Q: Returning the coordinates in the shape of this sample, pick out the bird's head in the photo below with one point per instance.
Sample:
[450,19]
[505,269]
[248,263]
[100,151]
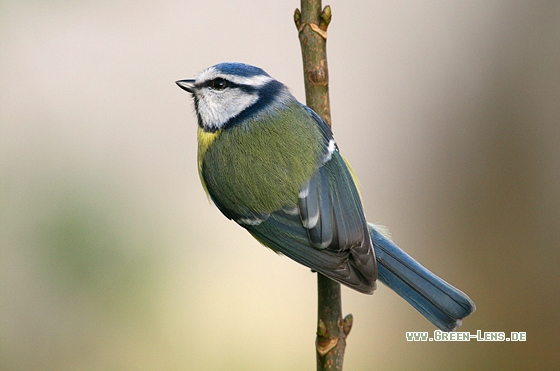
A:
[229,93]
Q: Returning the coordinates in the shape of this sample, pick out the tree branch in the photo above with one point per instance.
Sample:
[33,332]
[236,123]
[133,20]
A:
[312,24]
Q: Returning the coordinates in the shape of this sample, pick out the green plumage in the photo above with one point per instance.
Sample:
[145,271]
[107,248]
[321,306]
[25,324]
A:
[259,166]
[276,175]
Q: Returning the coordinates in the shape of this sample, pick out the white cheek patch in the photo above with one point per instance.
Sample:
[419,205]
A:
[217,107]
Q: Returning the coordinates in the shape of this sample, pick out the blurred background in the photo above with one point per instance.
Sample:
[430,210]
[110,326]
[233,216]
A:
[112,258]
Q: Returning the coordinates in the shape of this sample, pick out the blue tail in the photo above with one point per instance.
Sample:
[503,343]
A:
[438,301]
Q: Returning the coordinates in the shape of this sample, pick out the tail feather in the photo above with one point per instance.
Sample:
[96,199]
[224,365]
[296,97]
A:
[438,301]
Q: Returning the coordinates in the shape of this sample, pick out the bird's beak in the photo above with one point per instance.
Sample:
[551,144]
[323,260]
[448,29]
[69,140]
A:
[187,85]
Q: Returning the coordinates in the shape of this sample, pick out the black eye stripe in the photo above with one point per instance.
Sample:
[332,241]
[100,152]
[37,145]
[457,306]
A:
[218,83]
[212,84]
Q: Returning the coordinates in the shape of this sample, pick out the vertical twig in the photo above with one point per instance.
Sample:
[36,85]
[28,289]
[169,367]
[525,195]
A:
[312,24]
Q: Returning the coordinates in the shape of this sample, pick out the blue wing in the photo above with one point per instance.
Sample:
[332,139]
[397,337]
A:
[325,229]
[328,231]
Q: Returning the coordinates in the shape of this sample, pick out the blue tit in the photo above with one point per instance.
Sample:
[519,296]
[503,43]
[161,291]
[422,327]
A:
[271,164]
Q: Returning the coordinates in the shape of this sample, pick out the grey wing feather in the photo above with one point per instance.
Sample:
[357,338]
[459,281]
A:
[285,234]
[330,235]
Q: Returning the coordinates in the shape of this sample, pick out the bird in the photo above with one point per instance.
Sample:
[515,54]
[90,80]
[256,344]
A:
[272,165]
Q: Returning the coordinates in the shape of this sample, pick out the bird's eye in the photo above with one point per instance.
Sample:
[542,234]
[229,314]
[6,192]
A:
[219,84]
